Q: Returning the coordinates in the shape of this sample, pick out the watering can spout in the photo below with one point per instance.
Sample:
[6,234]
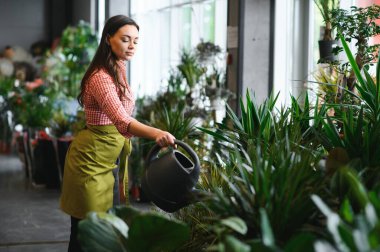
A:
[169,180]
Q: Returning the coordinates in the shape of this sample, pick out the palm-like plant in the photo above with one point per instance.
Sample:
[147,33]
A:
[268,165]
[360,133]
[325,7]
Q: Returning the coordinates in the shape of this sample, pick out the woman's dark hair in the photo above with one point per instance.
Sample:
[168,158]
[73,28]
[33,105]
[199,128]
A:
[104,57]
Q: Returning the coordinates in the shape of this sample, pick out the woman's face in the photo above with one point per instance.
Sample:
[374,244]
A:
[124,42]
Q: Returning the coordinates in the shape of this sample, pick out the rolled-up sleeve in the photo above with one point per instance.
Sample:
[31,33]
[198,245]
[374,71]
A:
[102,88]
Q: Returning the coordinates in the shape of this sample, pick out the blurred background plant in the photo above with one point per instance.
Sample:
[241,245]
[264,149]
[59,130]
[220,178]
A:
[6,124]
[358,25]
[66,64]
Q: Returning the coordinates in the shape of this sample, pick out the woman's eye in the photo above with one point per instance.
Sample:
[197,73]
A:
[135,42]
[125,41]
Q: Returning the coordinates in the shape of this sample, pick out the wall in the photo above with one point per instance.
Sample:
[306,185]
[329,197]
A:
[117,7]
[84,10]
[255,48]
[22,22]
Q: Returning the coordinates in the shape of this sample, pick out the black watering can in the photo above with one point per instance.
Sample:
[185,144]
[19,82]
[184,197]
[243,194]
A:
[169,180]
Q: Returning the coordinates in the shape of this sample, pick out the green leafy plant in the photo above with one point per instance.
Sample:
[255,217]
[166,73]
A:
[34,108]
[360,132]
[65,67]
[327,79]
[206,51]
[127,229]
[61,124]
[358,24]
[326,7]
[268,164]
[6,89]
[351,230]
[190,69]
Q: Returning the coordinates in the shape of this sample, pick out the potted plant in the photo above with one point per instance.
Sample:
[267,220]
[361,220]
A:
[65,66]
[358,24]
[327,43]
[6,88]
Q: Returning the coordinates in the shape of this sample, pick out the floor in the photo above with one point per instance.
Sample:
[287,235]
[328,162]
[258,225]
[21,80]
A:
[30,219]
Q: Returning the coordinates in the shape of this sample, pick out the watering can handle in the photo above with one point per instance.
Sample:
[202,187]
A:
[156,148]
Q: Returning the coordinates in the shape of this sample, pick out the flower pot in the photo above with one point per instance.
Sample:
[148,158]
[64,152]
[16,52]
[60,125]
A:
[325,50]
[46,168]
[62,147]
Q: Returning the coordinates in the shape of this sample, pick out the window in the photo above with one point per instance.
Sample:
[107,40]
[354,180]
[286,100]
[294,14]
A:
[101,17]
[296,55]
[166,28]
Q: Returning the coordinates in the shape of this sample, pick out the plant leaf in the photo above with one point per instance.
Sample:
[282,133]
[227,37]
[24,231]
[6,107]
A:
[236,224]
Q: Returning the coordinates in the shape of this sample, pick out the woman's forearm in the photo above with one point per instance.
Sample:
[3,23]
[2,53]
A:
[162,138]
[141,130]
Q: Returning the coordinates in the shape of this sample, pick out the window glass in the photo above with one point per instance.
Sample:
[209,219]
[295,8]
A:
[186,27]
[209,22]
[166,28]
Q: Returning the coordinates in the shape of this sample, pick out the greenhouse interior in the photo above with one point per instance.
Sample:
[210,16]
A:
[189,125]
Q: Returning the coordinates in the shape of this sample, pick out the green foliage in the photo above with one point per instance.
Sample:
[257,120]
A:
[358,24]
[6,88]
[144,231]
[352,230]
[102,232]
[206,51]
[263,171]
[226,231]
[326,7]
[60,124]
[190,68]
[32,108]
[359,134]
[269,163]
[66,65]
[327,79]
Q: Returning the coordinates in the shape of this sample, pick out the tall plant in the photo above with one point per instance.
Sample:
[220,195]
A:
[326,7]
[268,166]
[358,24]
[361,124]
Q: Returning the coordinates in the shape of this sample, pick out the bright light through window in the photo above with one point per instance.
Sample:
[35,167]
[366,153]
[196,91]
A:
[101,16]
[166,28]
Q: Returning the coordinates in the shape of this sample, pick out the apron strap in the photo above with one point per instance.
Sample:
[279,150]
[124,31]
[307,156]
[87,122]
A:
[123,171]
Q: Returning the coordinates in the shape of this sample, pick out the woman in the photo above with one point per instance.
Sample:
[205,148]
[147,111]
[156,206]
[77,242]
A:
[108,104]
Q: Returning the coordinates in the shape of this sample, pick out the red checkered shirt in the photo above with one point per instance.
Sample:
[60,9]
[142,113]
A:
[102,102]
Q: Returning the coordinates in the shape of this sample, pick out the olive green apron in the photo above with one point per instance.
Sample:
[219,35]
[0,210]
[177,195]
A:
[88,181]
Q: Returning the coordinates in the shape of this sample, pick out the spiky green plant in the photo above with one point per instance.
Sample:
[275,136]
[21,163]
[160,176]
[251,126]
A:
[268,164]
[351,230]
[359,134]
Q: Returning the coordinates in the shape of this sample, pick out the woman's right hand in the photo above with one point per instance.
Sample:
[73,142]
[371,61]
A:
[165,139]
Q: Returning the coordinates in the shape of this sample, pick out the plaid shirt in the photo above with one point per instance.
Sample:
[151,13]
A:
[102,102]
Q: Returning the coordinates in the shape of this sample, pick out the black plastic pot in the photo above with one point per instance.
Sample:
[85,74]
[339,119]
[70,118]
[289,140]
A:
[46,168]
[325,50]
[62,147]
